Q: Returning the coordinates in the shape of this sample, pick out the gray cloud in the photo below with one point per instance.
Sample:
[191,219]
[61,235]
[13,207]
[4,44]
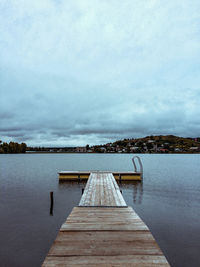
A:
[6,115]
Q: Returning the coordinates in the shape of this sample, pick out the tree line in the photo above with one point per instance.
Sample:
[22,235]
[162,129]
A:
[12,147]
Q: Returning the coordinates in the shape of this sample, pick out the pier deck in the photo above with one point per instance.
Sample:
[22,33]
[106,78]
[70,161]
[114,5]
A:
[84,175]
[103,231]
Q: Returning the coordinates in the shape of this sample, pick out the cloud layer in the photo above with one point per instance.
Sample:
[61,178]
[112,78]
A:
[78,72]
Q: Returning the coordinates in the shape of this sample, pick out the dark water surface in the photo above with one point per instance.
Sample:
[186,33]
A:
[168,201]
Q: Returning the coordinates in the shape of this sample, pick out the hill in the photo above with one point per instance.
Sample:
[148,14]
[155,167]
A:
[151,144]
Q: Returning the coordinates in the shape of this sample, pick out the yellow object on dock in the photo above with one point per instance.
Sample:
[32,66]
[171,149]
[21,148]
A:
[84,175]
[104,231]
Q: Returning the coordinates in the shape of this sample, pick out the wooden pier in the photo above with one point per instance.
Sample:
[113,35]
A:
[104,231]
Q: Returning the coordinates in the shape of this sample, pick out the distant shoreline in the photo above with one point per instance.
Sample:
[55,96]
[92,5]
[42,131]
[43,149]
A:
[160,144]
[47,152]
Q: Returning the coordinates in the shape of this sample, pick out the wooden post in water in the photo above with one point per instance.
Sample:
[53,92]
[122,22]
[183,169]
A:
[51,205]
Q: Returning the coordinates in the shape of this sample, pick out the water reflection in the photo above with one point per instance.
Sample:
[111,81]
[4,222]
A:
[76,187]
[137,190]
[64,184]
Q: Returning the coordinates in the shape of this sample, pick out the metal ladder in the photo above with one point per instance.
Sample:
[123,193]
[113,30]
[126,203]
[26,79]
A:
[135,166]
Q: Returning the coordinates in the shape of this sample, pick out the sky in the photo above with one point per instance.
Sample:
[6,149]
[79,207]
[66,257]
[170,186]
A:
[77,72]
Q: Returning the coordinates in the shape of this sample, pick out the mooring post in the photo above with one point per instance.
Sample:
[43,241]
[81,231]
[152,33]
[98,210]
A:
[120,178]
[51,205]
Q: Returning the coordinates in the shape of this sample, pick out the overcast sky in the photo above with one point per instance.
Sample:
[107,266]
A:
[93,71]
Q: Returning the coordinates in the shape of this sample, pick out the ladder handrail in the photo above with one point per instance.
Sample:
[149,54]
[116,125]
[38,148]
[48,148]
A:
[140,163]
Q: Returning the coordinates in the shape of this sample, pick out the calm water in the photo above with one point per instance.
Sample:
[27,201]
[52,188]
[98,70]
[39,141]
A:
[168,201]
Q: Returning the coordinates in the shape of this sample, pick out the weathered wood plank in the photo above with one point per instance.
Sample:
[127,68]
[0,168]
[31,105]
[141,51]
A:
[106,209]
[104,243]
[100,227]
[123,213]
[107,261]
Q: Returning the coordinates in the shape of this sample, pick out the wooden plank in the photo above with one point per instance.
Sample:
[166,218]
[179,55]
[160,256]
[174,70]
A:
[117,190]
[104,243]
[107,261]
[105,209]
[86,194]
[103,227]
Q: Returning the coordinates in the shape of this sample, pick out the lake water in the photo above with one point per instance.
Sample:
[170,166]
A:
[168,201]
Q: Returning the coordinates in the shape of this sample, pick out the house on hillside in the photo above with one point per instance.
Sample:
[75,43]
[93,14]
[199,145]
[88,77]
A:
[81,149]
